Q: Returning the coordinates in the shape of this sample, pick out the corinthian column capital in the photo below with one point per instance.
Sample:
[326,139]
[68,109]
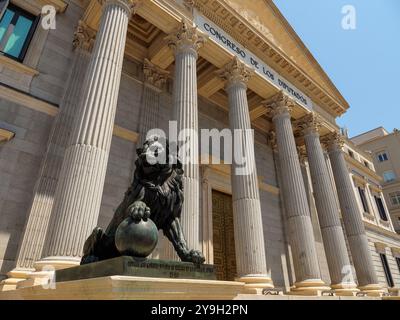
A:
[186,38]
[271,136]
[333,141]
[279,105]
[84,37]
[154,75]
[309,124]
[235,72]
[302,152]
[130,5]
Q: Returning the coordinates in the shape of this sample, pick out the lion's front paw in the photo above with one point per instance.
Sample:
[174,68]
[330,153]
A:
[196,257]
[139,211]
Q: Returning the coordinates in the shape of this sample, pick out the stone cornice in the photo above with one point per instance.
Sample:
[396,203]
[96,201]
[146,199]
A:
[187,38]
[130,5]
[250,37]
[235,72]
[84,37]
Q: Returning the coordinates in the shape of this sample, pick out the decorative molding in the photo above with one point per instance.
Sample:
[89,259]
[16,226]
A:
[27,101]
[187,38]
[154,75]
[52,110]
[125,134]
[395,252]
[84,37]
[6,135]
[235,72]
[35,6]
[380,247]
[17,66]
[378,229]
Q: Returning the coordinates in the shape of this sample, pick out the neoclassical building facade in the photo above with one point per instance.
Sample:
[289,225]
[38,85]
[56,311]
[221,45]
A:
[77,100]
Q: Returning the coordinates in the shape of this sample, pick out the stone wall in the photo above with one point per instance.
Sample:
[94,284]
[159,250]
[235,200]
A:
[20,161]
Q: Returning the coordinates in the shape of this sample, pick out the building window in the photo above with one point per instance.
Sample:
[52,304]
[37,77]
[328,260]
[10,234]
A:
[16,31]
[398,262]
[395,198]
[366,164]
[381,208]
[351,153]
[363,198]
[389,176]
[386,268]
[382,156]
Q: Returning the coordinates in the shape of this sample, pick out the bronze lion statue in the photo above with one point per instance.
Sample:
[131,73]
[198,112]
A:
[156,192]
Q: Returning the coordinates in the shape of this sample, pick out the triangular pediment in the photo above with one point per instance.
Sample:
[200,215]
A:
[266,18]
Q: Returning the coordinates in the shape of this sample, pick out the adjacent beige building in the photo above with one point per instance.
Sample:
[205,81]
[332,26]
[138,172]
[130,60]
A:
[77,100]
[384,148]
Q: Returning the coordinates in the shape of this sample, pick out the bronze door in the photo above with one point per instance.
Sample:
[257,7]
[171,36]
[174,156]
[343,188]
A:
[223,236]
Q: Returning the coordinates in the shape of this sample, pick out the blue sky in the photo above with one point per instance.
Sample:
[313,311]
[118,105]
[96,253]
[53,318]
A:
[364,63]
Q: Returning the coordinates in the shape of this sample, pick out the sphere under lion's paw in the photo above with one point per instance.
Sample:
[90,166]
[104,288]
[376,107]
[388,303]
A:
[136,238]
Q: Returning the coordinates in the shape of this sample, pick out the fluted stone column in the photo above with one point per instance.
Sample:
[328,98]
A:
[31,246]
[153,84]
[154,81]
[328,211]
[185,43]
[78,196]
[249,237]
[352,218]
[300,230]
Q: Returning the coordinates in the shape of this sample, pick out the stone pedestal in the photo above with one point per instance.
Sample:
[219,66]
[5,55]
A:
[249,233]
[130,288]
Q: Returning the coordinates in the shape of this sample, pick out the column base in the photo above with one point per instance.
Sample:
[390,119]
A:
[44,271]
[345,289]
[312,287]
[372,290]
[394,292]
[255,284]
[14,277]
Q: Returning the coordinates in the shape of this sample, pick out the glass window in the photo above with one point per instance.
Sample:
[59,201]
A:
[389,176]
[382,156]
[381,208]
[363,198]
[386,268]
[395,198]
[398,262]
[16,30]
